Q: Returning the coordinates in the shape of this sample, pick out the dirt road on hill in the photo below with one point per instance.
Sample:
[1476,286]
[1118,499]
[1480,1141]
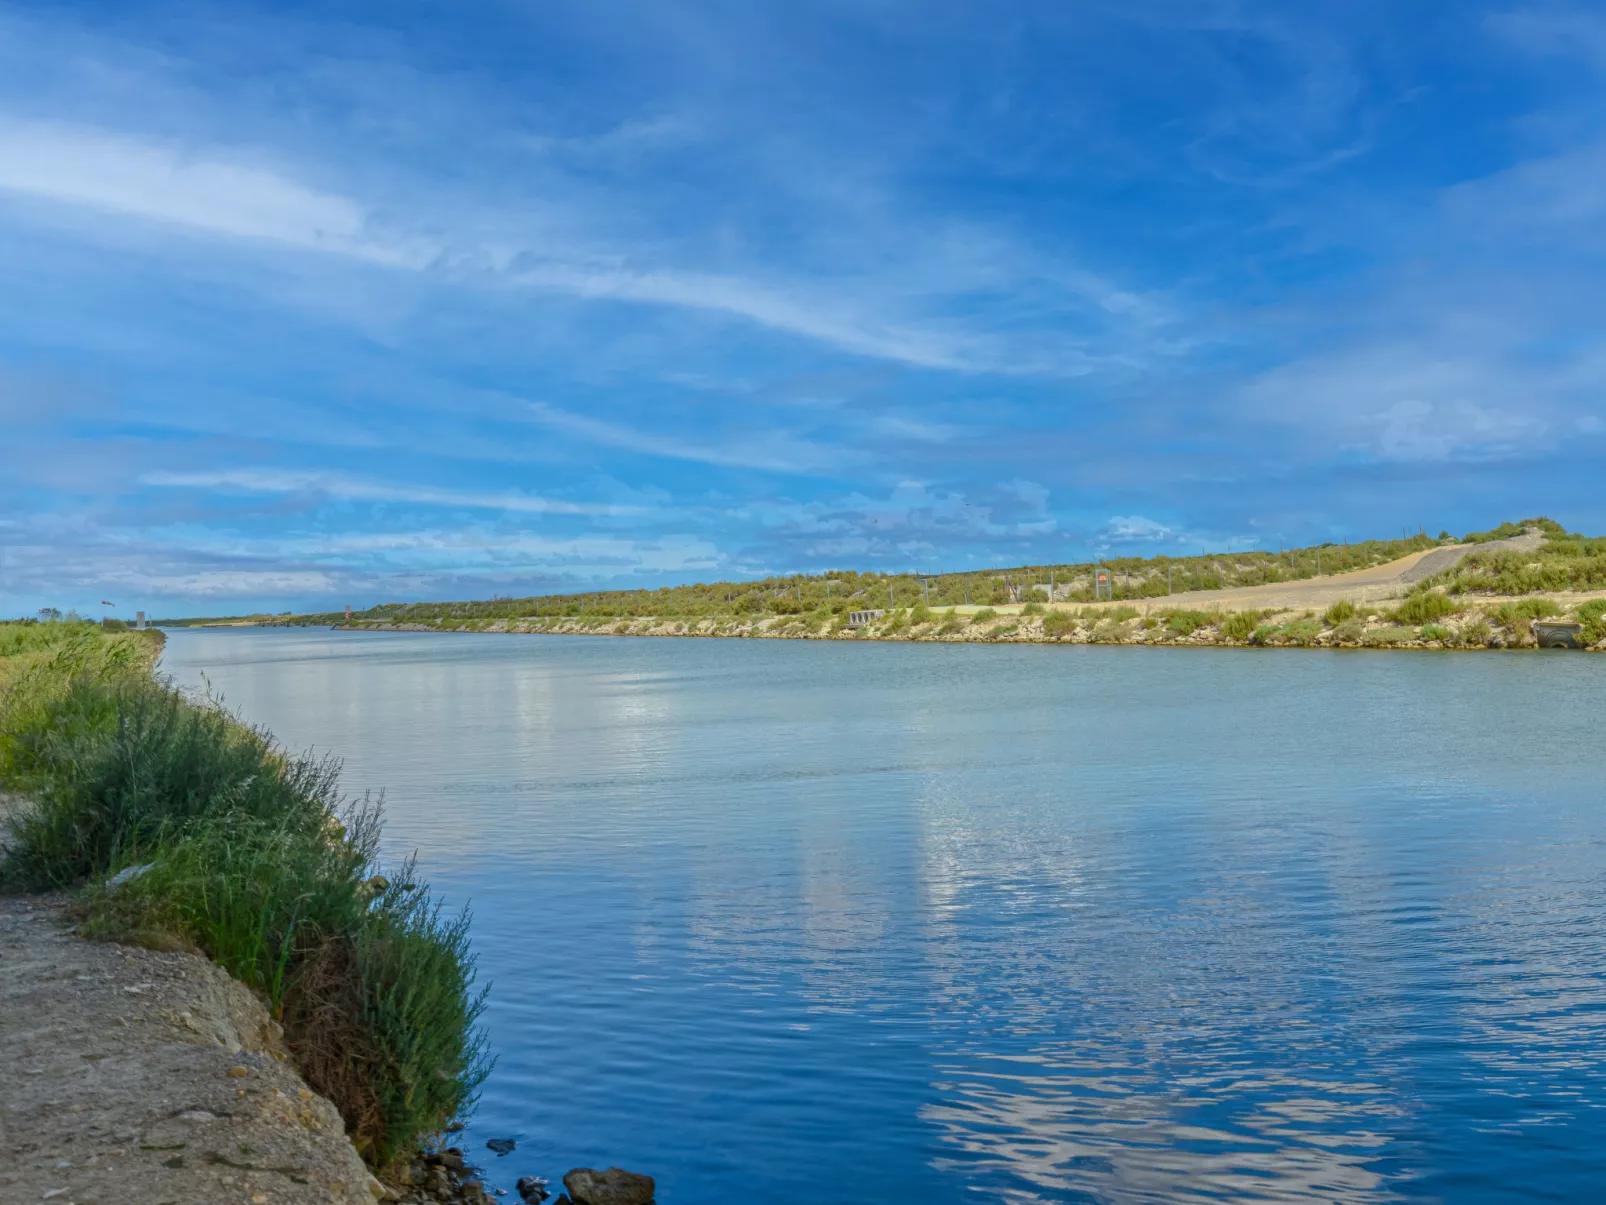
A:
[1317,593]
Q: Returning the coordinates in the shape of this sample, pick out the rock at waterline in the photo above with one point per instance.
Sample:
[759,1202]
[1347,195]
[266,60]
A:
[532,1189]
[612,1187]
[501,1146]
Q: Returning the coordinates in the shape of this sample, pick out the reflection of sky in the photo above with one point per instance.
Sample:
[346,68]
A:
[1040,924]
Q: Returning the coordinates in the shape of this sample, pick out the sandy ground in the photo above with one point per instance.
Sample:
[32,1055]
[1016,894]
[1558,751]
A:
[150,1078]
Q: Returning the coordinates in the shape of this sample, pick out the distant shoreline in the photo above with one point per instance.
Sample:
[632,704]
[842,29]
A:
[1160,627]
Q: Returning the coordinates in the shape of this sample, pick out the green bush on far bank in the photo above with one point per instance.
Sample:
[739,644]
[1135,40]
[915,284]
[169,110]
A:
[254,857]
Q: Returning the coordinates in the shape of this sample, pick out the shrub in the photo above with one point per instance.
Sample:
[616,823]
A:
[1383,637]
[1593,616]
[985,615]
[1185,623]
[1424,606]
[1240,625]
[1058,623]
[1432,631]
[1513,614]
[1350,631]
[949,627]
[1339,612]
[1032,608]
[920,614]
[1301,631]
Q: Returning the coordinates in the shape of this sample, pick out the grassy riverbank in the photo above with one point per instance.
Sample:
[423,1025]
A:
[219,840]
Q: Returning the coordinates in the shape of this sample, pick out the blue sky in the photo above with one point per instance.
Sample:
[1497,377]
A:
[308,304]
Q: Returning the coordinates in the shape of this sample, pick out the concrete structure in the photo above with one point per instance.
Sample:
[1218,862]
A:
[1553,635]
[858,619]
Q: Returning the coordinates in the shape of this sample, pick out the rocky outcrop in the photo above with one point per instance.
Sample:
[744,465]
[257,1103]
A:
[143,1077]
[615,1186]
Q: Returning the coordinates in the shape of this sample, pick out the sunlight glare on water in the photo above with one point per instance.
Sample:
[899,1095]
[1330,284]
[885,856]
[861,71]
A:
[790,921]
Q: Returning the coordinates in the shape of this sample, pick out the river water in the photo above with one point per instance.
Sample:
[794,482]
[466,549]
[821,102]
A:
[783,921]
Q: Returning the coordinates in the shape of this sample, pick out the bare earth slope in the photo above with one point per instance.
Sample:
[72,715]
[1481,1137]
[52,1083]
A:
[1361,586]
[148,1078]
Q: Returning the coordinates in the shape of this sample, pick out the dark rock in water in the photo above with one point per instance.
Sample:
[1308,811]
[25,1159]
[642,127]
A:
[532,1189]
[455,1128]
[612,1187]
[501,1146]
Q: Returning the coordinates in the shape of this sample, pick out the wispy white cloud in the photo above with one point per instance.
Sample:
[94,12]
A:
[1136,529]
[242,194]
[776,451]
[203,192]
[353,489]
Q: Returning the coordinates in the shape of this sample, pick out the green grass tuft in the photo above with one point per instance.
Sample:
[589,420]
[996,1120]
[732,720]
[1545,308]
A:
[1240,625]
[1059,623]
[1593,616]
[1185,623]
[1339,612]
[256,859]
[1424,606]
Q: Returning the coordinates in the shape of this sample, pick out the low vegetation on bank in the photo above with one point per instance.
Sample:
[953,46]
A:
[1490,599]
[840,591]
[1426,618]
[178,826]
[1564,562]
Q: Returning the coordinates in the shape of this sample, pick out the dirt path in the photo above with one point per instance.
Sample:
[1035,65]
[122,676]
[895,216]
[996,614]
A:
[1360,586]
[150,1079]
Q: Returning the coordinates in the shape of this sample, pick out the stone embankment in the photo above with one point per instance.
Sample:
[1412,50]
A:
[1145,623]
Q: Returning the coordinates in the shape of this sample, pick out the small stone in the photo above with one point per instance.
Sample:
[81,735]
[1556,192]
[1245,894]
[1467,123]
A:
[452,1159]
[259,1198]
[472,1190]
[52,1193]
[378,1191]
[238,1072]
[532,1189]
[198,1115]
[615,1186]
[456,1127]
[502,1146]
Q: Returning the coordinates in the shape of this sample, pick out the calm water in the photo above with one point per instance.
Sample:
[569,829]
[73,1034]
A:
[797,922]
